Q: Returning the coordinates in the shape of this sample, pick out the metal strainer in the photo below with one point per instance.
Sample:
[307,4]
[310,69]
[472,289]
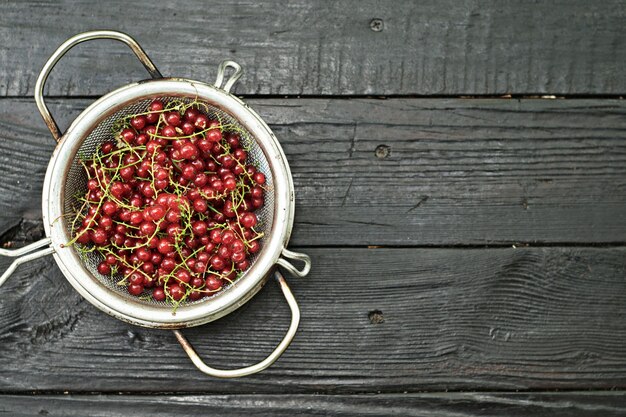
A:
[65,179]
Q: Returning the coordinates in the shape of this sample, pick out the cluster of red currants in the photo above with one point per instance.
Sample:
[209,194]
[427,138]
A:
[170,204]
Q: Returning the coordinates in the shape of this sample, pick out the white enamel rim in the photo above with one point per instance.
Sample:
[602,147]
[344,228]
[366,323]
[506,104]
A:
[136,312]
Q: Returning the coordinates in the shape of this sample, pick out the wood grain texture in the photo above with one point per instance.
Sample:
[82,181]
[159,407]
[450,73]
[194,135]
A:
[389,320]
[301,47]
[570,404]
[383,330]
[407,171]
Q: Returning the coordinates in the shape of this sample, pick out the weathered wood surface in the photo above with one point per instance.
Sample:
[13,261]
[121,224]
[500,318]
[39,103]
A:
[570,404]
[301,47]
[435,178]
[407,171]
[389,320]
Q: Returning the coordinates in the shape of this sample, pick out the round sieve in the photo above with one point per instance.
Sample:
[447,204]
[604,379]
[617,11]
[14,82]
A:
[65,180]
[76,179]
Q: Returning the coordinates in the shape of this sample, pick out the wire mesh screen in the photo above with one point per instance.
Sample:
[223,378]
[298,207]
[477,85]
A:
[76,183]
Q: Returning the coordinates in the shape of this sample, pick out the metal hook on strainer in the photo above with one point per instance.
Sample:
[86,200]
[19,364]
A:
[64,177]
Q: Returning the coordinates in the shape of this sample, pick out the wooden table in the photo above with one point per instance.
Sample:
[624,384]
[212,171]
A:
[460,176]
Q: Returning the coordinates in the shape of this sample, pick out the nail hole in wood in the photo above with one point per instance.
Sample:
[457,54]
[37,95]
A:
[382,151]
[376,317]
[376,25]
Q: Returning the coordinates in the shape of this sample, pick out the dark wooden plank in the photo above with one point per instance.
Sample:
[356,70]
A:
[301,47]
[570,404]
[388,320]
[456,172]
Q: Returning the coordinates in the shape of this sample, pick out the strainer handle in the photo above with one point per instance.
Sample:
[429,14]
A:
[28,255]
[302,257]
[221,70]
[69,44]
[252,369]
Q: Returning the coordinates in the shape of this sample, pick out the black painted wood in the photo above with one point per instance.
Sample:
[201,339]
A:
[403,172]
[407,171]
[389,320]
[570,404]
[301,47]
